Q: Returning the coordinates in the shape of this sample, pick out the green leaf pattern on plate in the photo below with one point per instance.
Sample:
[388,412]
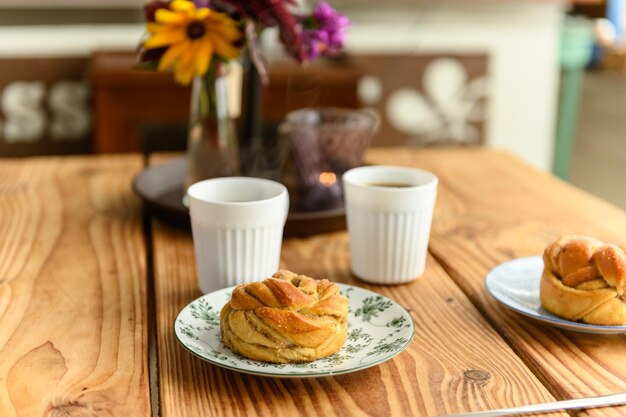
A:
[200,309]
[378,329]
[372,306]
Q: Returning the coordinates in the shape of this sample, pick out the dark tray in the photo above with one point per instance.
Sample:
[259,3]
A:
[160,187]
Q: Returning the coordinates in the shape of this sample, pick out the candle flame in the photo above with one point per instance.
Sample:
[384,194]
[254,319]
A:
[328,178]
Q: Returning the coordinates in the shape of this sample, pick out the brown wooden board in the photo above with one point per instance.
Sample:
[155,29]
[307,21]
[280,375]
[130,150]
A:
[321,83]
[456,362]
[127,99]
[491,208]
[73,332]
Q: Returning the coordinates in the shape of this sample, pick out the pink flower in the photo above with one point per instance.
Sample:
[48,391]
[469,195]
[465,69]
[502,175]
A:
[324,31]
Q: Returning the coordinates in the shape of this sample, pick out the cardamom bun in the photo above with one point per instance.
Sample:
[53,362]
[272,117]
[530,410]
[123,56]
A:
[584,280]
[285,318]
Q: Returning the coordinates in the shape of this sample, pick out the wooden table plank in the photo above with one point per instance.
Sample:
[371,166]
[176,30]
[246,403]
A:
[455,363]
[492,207]
[72,289]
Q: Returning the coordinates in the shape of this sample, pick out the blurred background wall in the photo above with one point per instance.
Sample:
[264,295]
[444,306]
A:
[461,73]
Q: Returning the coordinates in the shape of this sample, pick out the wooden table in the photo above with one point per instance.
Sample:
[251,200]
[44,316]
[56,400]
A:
[89,289]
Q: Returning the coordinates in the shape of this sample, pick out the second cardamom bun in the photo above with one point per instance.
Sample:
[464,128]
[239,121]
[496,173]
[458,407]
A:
[285,318]
[584,279]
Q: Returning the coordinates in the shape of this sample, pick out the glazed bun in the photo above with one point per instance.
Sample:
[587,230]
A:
[285,318]
[584,279]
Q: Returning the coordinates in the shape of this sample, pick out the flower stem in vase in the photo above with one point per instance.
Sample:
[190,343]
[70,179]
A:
[212,147]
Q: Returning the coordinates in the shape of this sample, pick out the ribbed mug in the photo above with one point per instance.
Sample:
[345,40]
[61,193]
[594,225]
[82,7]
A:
[237,226]
[389,211]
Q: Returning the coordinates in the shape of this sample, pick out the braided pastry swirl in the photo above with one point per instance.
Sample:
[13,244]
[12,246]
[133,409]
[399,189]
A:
[286,318]
[585,279]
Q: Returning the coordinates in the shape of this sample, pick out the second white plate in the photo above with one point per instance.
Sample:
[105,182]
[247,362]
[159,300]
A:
[515,284]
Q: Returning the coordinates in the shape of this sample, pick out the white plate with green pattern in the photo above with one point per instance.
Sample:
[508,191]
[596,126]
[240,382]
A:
[378,329]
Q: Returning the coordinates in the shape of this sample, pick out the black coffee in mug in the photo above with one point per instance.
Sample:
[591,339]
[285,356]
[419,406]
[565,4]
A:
[390,184]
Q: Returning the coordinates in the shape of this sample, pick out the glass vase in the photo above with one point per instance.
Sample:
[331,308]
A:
[212,147]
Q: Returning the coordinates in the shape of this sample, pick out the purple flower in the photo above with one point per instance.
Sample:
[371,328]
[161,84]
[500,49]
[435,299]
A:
[324,31]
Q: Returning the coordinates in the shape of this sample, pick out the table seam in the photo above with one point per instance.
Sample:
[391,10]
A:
[153,352]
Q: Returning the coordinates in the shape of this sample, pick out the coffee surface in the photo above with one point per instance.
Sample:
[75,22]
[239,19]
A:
[391,184]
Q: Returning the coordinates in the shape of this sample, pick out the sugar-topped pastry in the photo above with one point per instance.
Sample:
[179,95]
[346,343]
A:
[584,279]
[285,318]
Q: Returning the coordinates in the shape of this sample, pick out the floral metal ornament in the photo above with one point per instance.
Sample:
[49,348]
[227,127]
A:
[446,108]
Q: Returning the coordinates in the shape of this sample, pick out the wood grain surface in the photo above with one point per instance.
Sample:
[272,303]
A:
[491,208]
[72,289]
[73,316]
[455,363]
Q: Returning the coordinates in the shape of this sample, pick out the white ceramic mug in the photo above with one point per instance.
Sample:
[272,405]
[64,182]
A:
[389,212]
[237,226]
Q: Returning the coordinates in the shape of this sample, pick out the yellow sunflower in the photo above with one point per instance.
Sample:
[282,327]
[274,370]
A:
[192,36]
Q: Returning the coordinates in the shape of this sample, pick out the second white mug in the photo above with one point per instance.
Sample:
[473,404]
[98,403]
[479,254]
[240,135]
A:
[389,211]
